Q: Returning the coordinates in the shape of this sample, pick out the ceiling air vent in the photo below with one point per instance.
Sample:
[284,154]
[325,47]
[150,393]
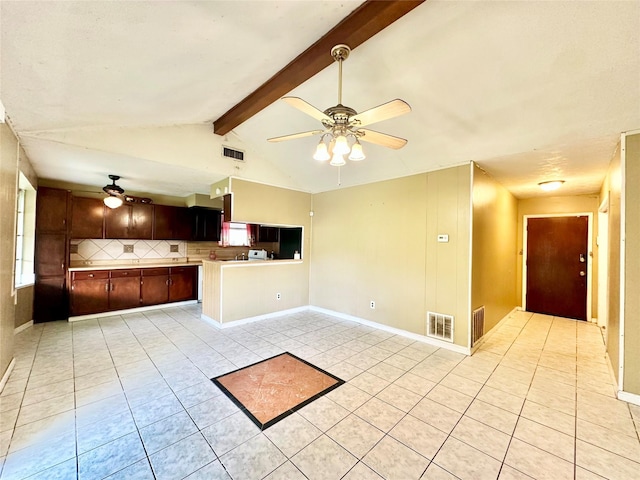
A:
[440,326]
[237,155]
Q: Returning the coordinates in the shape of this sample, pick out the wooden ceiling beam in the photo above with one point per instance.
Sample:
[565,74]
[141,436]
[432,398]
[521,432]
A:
[363,23]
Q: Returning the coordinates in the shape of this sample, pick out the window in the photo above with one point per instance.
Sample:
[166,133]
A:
[236,235]
[25,232]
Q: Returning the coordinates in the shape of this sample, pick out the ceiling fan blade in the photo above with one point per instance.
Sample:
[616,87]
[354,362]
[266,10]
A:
[307,108]
[391,109]
[295,135]
[383,139]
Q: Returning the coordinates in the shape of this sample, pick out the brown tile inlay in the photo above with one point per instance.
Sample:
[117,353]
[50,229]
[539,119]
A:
[270,390]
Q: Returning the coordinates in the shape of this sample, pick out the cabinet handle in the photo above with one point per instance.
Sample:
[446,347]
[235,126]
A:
[167,282]
[91,275]
[106,287]
[112,287]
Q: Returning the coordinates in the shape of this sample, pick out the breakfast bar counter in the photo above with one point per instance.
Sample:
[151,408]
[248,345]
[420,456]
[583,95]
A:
[243,290]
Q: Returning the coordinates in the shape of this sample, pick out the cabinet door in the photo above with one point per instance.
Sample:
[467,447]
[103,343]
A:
[50,300]
[87,217]
[206,224]
[124,292]
[182,225]
[117,221]
[164,218]
[52,206]
[141,221]
[50,254]
[89,292]
[182,284]
[171,223]
[226,202]
[154,286]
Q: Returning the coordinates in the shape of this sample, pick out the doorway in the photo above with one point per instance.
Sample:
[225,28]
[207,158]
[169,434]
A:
[557,265]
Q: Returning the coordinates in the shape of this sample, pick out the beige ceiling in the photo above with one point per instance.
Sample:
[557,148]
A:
[529,90]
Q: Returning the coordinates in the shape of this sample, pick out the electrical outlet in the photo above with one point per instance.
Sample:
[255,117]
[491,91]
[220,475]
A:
[278,296]
[372,305]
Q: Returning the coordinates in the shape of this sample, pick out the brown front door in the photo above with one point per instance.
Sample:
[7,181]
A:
[557,255]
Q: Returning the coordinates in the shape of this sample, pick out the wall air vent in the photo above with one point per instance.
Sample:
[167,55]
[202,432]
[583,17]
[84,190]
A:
[237,155]
[477,325]
[440,326]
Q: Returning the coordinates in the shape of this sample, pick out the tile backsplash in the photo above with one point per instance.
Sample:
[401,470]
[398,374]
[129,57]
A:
[107,249]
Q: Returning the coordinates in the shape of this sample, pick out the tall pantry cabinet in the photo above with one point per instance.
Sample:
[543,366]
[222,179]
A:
[51,255]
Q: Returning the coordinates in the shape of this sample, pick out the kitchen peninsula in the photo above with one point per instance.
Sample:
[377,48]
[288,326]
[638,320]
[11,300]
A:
[239,290]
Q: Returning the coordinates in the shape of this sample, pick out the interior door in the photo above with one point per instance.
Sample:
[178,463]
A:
[557,255]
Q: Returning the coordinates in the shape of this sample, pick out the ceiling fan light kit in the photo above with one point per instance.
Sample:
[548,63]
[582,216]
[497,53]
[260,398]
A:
[114,193]
[343,124]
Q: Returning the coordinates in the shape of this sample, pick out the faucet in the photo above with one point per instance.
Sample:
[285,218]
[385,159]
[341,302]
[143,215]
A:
[240,258]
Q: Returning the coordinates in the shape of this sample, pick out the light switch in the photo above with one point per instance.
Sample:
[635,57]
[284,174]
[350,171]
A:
[443,238]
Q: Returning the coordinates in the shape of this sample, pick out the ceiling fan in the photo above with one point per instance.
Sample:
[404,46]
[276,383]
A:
[343,123]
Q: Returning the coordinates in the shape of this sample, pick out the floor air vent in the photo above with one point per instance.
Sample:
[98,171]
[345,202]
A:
[440,326]
[237,155]
[477,325]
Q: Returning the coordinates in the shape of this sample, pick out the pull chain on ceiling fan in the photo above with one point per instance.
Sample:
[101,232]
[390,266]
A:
[343,123]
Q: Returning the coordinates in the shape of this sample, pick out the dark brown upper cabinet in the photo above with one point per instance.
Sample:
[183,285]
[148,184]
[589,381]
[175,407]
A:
[52,210]
[226,205]
[87,218]
[171,223]
[206,223]
[134,221]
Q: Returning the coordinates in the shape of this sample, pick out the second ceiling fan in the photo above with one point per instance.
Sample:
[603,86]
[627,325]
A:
[343,123]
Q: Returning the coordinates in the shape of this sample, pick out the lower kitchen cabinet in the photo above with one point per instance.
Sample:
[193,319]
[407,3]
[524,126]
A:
[89,292]
[50,299]
[155,286]
[124,289]
[182,284]
[99,291]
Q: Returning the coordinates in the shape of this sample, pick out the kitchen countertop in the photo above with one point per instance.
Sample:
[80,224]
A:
[251,263]
[130,264]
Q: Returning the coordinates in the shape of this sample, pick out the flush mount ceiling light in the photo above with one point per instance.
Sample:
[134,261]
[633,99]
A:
[114,193]
[551,185]
[343,124]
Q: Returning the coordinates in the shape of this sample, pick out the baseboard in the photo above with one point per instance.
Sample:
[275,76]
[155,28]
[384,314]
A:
[629,397]
[7,373]
[395,331]
[22,327]
[91,316]
[257,318]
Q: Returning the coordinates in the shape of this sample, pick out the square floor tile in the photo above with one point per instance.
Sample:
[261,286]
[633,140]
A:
[420,436]
[182,458]
[393,460]
[355,435]
[537,463]
[292,434]
[255,458]
[465,461]
[324,459]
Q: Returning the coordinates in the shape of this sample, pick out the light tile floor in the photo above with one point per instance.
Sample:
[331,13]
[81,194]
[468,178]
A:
[129,397]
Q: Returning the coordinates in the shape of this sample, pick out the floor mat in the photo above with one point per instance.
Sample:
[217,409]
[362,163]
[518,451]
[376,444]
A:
[272,389]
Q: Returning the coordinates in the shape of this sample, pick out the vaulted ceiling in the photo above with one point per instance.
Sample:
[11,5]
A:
[531,91]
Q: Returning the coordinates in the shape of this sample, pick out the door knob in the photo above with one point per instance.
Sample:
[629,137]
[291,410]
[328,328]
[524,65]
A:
[582,273]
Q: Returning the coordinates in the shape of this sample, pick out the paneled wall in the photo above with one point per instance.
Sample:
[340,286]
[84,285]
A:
[632,264]
[379,242]
[494,259]
[8,185]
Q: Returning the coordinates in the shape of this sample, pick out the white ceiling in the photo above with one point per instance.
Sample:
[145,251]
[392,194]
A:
[531,90]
